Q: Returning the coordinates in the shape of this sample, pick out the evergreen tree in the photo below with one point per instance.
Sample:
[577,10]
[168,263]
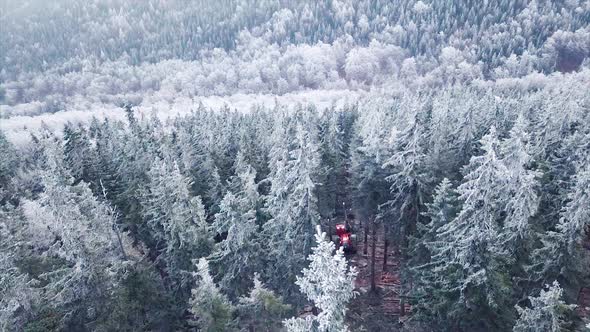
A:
[368,154]
[522,188]
[211,309]
[472,240]
[561,254]
[238,256]
[333,169]
[8,166]
[292,202]
[19,294]
[429,255]
[68,224]
[79,156]
[547,312]
[329,283]
[262,309]
[176,220]
[408,176]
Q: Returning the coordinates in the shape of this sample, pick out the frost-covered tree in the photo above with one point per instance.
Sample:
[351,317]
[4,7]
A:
[329,283]
[292,203]
[238,256]
[334,139]
[197,163]
[368,153]
[18,291]
[68,224]
[471,238]
[561,254]
[522,187]
[547,312]
[262,309]
[211,309]
[8,166]
[177,221]
[430,253]
[408,173]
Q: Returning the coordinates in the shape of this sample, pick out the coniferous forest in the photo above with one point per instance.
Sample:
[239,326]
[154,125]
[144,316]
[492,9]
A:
[183,166]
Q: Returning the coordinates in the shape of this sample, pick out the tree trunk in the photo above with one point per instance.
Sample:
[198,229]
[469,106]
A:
[366,238]
[385,248]
[402,291]
[402,304]
[373,241]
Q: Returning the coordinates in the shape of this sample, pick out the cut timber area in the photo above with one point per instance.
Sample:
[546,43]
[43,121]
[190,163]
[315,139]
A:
[379,310]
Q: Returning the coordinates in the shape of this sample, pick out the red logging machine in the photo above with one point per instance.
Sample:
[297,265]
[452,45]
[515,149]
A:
[345,238]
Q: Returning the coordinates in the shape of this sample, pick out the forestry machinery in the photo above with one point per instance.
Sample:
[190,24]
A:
[345,238]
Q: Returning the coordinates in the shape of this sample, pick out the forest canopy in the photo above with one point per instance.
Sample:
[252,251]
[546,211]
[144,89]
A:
[453,136]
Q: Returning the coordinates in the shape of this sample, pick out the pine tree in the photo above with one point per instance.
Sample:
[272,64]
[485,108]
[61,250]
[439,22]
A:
[69,224]
[197,163]
[329,283]
[408,175]
[211,309]
[368,154]
[333,151]
[78,155]
[547,312]
[8,166]
[18,292]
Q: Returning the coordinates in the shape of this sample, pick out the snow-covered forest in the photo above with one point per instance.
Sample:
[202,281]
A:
[181,166]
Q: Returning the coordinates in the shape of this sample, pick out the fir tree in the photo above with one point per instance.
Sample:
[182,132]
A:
[430,253]
[522,188]
[68,224]
[561,254]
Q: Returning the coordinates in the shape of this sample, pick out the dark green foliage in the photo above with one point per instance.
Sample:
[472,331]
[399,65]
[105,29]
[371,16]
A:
[140,303]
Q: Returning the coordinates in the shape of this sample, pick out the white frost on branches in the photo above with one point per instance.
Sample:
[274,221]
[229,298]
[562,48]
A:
[546,312]
[329,283]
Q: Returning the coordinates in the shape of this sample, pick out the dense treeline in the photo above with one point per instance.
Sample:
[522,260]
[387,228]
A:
[73,54]
[470,148]
[206,220]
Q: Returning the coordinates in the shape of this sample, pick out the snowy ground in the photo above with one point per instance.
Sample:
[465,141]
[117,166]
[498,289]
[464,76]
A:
[18,128]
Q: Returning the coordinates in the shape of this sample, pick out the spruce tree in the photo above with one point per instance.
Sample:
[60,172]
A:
[329,283]
[177,221]
[292,203]
[68,224]
[262,309]
[471,240]
[430,272]
[562,254]
[238,256]
[211,310]
[522,188]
